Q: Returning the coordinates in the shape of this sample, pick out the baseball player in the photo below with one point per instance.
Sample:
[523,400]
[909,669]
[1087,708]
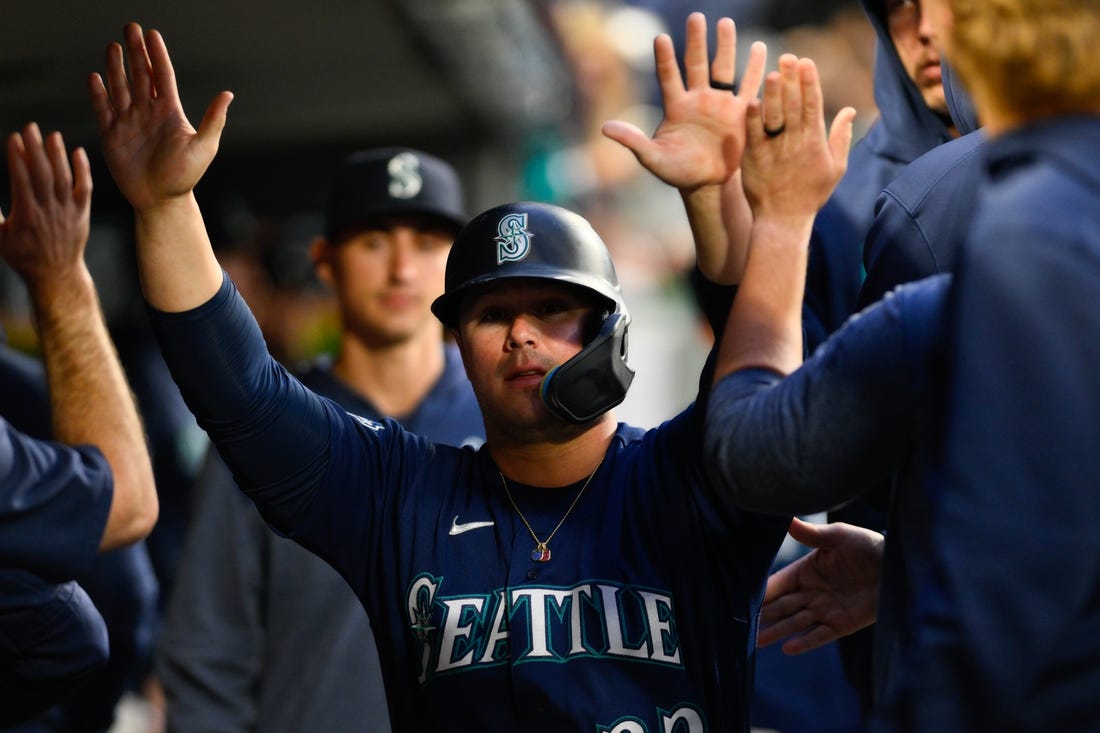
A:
[572,573]
[243,624]
[61,502]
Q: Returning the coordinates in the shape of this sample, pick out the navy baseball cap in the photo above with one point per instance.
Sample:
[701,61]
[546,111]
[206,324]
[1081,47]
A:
[388,181]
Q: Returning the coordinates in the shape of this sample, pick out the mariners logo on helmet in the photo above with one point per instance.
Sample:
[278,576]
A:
[513,240]
[405,178]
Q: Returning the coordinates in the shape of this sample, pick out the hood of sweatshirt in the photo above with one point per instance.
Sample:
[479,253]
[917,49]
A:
[911,128]
[959,104]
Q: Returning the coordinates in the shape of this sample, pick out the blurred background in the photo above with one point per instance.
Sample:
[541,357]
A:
[512,92]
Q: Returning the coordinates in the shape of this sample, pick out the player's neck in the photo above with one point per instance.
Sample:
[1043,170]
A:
[396,377]
[554,463]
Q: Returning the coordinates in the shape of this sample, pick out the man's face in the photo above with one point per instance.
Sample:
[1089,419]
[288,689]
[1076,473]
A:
[939,17]
[386,278]
[912,36]
[511,335]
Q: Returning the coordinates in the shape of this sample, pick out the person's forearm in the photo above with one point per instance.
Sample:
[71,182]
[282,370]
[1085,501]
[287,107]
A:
[737,221]
[703,208]
[91,399]
[773,443]
[765,323]
[721,222]
[269,428]
[176,262]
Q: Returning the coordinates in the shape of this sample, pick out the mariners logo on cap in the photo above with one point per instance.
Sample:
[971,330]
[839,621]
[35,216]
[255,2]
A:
[513,239]
[405,178]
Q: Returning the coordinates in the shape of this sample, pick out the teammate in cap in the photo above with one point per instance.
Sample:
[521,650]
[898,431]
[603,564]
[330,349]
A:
[572,573]
[251,610]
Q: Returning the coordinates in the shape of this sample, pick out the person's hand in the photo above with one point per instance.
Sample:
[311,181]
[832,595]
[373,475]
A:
[701,138]
[791,164]
[153,152]
[45,233]
[827,594]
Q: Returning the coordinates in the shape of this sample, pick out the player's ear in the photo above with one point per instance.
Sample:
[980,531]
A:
[321,251]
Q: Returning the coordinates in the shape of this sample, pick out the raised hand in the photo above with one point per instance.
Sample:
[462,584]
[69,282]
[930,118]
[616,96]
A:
[44,235]
[153,152]
[702,135]
[829,593]
[791,165]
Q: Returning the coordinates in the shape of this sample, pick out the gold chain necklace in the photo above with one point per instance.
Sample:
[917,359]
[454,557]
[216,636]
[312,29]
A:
[541,553]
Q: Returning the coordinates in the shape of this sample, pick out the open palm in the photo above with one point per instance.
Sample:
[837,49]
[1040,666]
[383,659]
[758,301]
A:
[152,150]
[829,593]
[44,235]
[702,135]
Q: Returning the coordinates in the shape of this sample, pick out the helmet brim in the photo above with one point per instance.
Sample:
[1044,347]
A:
[447,307]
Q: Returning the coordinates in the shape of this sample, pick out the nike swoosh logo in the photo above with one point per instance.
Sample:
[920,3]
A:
[457,528]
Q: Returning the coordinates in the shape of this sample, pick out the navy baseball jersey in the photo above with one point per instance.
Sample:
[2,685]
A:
[643,619]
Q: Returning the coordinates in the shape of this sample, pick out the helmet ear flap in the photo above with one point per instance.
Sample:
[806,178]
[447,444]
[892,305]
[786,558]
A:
[595,379]
[593,323]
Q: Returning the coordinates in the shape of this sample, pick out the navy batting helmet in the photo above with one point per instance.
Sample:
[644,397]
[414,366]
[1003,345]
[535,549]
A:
[545,242]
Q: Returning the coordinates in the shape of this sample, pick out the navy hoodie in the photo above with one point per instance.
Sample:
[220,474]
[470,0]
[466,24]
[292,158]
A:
[921,217]
[1009,620]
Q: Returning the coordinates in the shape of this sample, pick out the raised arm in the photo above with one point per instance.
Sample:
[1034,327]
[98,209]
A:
[791,167]
[43,241]
[157,158]
[698,146]
[272,432]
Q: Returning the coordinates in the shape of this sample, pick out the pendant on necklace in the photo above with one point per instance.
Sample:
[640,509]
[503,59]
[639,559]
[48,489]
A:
[541,553]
